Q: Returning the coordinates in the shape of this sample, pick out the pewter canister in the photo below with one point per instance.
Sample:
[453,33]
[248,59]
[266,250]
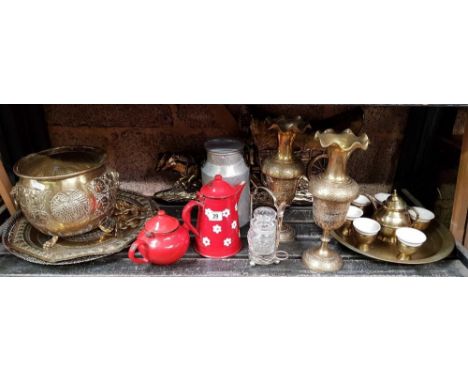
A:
[225,157]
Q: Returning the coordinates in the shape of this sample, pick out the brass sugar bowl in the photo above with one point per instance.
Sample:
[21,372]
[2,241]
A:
[393,213]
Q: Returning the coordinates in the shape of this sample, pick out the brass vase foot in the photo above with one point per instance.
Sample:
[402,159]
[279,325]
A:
[322,259]
[287,233]
[319,260]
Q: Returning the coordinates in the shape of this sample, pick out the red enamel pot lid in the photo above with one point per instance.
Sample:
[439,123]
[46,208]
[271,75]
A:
[162,223]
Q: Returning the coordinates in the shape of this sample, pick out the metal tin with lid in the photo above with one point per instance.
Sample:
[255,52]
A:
[225,157]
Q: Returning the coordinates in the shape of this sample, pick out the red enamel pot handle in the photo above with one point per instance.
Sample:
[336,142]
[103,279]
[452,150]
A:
[186,212]
[131,253]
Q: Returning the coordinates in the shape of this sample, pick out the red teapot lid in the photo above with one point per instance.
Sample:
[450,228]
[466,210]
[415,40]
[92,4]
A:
[162,223]
[218,188]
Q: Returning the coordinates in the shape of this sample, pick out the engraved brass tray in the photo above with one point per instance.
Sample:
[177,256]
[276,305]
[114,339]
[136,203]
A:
[439,244]
[24,241]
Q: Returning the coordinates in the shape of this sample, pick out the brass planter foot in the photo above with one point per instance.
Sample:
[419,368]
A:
[50,243]
[287,233]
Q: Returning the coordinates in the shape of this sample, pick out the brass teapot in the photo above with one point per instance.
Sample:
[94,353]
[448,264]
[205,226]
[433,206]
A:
[393,213]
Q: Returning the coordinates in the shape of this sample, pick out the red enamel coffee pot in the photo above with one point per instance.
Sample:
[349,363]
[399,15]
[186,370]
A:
[163,241]
[217,234]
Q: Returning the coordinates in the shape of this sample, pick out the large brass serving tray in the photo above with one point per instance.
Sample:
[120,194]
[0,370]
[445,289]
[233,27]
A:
[439,244]
[24,241]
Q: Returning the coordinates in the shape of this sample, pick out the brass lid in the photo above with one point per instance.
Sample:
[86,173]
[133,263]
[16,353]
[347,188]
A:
[395,202]
[224,146]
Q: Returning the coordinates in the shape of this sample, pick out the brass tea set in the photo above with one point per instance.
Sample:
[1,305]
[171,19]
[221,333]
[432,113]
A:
[395,226]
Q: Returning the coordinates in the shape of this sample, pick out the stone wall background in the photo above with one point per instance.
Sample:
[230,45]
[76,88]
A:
[134,135]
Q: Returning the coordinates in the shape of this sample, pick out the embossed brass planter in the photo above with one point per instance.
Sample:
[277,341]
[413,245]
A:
[282,170]
[333,191]
[65,191]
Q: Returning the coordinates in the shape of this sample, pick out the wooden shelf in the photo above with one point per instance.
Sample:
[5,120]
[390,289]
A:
[194,265]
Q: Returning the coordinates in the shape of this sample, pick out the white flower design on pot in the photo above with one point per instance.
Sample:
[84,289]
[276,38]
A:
[206,241]
[227,242]
[226,212]
[234,225]
[217,228]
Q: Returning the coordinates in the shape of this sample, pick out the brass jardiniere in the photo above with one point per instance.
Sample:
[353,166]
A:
[66,191]
[333,191]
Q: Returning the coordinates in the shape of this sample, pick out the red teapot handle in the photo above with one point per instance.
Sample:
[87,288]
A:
[133,249]
[186,212]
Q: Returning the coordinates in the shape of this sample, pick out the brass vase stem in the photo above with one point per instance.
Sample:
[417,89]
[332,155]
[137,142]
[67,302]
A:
[285,145]
[337,165]
[324,240]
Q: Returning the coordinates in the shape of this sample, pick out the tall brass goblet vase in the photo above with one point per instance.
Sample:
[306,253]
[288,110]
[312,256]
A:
[333,191]
[282,170]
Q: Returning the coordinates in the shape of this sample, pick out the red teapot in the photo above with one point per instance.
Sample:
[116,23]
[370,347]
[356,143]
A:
[218,233]
[163,241]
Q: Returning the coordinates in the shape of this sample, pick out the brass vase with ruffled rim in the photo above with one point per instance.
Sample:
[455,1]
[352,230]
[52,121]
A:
[333,191]
[282,170]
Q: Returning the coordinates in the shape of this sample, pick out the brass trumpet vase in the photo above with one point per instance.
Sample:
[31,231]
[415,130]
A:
[282,170]
[333,191]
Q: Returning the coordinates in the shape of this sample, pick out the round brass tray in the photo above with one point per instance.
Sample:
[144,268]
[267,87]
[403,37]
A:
[439,244]
[22,240]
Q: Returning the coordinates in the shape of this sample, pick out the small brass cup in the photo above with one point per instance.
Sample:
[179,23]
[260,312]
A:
[364,240]
[409,240]
[346,228]
[353,213]
[364,203]
[365,232]
[421,218]
[421,225]
[405,251]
